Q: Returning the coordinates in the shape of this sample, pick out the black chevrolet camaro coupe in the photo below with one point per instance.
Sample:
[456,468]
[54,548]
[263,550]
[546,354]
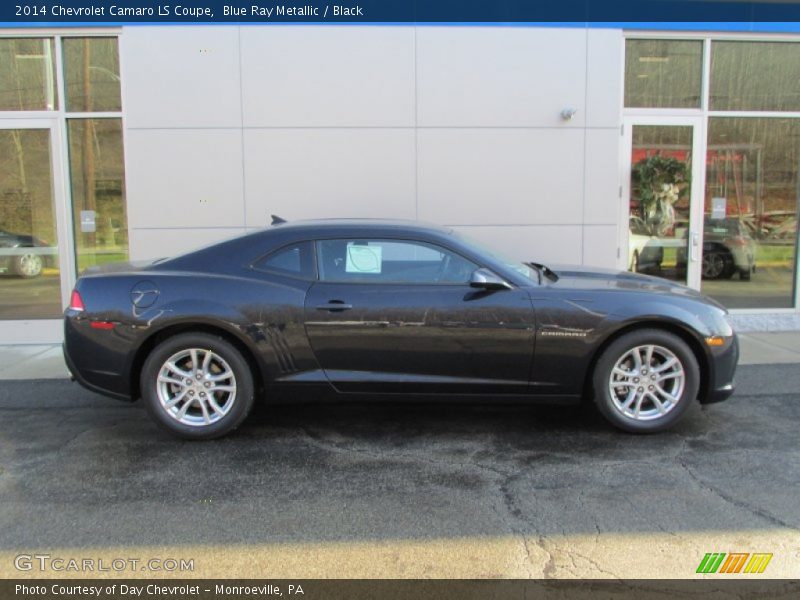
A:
[389,307]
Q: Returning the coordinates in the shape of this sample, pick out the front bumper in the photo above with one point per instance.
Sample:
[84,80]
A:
[722,369]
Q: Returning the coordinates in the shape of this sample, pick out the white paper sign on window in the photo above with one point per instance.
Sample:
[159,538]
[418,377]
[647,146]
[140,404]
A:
[363,259]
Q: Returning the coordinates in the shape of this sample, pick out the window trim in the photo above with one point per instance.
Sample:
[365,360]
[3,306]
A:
[405,239]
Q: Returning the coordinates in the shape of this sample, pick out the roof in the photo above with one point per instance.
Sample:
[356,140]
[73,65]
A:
[365,224]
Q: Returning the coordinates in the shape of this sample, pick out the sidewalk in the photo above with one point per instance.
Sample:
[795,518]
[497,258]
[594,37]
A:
[36,361]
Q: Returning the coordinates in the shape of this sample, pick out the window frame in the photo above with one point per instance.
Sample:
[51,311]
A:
[704,113]
[388,238]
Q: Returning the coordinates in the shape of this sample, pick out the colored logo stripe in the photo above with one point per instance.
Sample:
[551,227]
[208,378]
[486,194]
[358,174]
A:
[712,562]
[758,562]
[734,562]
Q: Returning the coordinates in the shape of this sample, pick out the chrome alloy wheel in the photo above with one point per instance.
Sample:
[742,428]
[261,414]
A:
[196,387]
[647,382]
[30,265]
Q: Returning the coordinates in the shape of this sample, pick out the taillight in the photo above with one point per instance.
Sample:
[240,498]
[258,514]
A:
[76,302]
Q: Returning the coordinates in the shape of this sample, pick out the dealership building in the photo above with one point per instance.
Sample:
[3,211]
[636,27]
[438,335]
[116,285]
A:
[672,152]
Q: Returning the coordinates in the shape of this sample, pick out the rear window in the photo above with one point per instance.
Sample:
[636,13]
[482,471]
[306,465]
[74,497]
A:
[295,260]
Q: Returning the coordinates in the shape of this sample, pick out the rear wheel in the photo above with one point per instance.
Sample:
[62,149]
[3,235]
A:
[28,265]
[717,264]
[646,380]
[197,386]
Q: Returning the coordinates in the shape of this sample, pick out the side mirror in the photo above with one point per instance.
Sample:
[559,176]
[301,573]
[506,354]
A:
[486,280]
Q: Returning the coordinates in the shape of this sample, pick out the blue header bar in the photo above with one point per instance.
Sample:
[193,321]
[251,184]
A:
[658,14]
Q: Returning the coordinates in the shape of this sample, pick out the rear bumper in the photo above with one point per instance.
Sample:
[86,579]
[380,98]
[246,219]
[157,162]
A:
[103,377]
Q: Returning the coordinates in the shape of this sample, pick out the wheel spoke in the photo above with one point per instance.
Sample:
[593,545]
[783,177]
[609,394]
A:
[658,403]
[222,388]
[214,406]
[666,394]
[177,398]
[172,366]
[227,374]
[165,379]
[637,359]
[185,408]
[665,365]
[624,384]
[671,375]
[193,354]
[204,409]
[638,407]
[629,400]
[207,360]
[648,356]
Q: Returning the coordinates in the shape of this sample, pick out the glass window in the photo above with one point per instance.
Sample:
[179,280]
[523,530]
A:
[663,73]
[91,74]
[27,74]
[751,209]
[29,269]
[661,167]
[391,261]
[755,76]
[97,176]
[296,260]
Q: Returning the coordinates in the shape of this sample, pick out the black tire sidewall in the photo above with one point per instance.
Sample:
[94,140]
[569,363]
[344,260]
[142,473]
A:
[241,369]
[606,362]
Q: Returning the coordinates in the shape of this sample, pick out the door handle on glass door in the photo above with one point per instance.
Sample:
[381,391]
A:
[335,306]
[695,246]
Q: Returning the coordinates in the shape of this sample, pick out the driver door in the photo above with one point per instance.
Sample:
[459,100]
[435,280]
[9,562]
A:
[400,316]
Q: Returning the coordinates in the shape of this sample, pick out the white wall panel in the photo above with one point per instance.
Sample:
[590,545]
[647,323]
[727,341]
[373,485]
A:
[604,78]
[328,76]
[315,173]
[184,178]
[546,243]
[500,76]
[600,246]
[158,243]
[602,203]
[500,176]
[181,76]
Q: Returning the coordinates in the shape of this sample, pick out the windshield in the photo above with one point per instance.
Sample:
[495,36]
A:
[518,266]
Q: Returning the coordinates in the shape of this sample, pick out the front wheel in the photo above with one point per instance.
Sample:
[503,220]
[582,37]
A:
[197,386]
[645,381]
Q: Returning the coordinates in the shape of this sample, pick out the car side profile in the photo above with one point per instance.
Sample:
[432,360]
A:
[23,255]
[376,307]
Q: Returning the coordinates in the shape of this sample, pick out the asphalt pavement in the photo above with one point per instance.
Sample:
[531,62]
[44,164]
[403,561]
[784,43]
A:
[384,489]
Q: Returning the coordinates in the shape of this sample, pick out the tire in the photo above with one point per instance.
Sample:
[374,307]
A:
[165,399]
[28,266]
[717,264]
[619,353]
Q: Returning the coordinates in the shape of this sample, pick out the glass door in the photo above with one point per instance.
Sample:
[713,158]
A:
[663,198]
[34,276]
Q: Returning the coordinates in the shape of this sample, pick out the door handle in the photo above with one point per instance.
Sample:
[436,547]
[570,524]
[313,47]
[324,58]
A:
[335,306]
[695,246]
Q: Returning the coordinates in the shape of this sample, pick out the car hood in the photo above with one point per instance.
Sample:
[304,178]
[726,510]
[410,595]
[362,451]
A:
[590,278]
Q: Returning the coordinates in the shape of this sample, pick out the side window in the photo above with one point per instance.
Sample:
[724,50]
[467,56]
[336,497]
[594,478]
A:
[296,260]
[390,261]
